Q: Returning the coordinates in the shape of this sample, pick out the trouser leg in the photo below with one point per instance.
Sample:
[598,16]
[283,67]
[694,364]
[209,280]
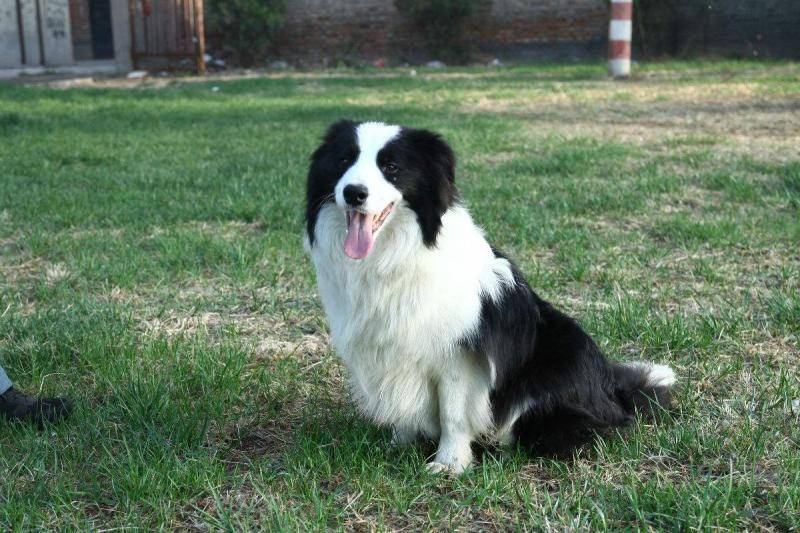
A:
[5,383]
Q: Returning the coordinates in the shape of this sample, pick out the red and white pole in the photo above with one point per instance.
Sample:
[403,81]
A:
[619,38]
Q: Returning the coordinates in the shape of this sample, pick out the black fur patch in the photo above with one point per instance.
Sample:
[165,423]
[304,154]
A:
[426,177]
[542,357]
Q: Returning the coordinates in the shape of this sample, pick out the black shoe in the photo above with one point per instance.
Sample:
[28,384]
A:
[18,406]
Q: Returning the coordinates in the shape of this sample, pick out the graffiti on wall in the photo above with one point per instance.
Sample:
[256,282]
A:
[57,18]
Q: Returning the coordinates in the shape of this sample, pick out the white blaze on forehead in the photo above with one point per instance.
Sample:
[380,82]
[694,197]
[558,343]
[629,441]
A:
[371,138]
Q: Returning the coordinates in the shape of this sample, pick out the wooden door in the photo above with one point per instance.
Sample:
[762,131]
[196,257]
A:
[165,31]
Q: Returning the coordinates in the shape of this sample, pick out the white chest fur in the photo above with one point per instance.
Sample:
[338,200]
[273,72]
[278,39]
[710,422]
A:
[398,316]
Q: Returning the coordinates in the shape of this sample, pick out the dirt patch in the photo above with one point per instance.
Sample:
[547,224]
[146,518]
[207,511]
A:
[54,273]
[158,80]
[746,120]
[228,230]
[214,324]
[783,352]
[265,335]
[309,347]
[688,199]
[494,159]
[18,268]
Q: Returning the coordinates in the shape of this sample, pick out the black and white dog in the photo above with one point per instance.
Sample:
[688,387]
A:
[441,334]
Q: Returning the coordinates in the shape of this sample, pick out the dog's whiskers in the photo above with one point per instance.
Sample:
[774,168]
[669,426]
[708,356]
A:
[324,200]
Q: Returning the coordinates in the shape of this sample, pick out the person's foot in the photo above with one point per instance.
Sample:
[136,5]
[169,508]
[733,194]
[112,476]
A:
[18,406]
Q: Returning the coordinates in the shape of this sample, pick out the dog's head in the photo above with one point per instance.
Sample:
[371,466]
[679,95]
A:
[370,171]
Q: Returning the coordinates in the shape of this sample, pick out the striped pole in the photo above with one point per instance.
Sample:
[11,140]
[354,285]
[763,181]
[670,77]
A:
[619,38]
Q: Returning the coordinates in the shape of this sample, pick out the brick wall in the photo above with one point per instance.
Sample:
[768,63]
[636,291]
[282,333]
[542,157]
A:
[319,31]
[327,31]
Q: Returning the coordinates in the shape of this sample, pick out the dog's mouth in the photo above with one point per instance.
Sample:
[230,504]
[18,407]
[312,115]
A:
[361,230]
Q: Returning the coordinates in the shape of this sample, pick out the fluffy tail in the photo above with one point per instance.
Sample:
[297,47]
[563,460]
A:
[643,387]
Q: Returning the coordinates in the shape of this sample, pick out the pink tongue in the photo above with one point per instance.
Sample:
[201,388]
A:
[359,238]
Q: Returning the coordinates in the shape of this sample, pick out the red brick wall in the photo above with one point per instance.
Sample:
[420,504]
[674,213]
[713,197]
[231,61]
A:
[323,30]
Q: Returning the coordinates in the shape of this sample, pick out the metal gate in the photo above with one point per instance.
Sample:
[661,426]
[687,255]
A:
[167,31]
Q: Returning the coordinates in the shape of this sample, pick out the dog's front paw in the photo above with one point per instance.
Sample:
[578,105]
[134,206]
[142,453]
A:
[436,468]
[453,456]
[441,468]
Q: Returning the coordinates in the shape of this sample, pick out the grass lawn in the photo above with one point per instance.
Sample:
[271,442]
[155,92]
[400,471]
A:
[151,267]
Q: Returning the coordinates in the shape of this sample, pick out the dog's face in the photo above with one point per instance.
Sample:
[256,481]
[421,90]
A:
[370,170]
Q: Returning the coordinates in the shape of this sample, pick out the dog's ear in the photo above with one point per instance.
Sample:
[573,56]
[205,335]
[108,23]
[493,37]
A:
[435,191]
[323,171]
[436,152]
[334,132]
[336,129]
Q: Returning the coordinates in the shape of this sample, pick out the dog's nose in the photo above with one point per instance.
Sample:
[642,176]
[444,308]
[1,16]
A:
[355,195]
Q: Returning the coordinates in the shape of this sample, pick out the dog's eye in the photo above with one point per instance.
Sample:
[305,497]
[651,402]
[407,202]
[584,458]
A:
[346,160]
[390,168]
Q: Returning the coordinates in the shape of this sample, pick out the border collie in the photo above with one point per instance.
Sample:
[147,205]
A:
[440,332]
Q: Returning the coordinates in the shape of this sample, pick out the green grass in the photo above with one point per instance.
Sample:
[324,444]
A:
[151,268]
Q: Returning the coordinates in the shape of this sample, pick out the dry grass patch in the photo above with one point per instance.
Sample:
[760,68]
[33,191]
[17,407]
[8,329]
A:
[765,126]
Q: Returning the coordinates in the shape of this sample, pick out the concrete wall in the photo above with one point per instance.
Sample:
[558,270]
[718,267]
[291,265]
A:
[10,53]
[121,27]
[30,34]
[56,34]
[54,44]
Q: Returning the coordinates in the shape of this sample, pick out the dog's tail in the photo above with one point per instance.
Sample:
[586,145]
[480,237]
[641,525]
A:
[644,388]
